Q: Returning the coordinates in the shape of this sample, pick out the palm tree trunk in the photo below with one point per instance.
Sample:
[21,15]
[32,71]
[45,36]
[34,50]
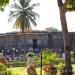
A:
[22,28]
[67,49]
[22,23]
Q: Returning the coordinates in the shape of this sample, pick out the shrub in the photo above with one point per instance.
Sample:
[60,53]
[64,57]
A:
[61,66]
[3,69]
[17,63]
[47,56]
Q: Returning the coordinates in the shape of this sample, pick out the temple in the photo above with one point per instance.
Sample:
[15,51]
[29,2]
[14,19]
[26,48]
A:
[22,42]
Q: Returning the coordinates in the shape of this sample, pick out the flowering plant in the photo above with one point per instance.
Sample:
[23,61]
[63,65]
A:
[47,68]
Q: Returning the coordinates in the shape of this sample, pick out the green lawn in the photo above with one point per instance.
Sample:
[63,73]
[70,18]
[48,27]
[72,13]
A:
[22,70]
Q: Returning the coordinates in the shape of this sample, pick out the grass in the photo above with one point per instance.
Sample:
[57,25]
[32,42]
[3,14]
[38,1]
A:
[22,70]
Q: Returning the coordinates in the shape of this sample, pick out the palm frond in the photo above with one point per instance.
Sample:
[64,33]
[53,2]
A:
[32,20]
[33,5]
[13,12]
[29,9]
[31,15]
[17,24]
[27,25]
[15,6]
[24,3]
[34,14]
[13,15]
[27,3]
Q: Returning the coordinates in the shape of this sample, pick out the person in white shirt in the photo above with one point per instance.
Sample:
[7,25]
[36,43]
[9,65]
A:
[31,65]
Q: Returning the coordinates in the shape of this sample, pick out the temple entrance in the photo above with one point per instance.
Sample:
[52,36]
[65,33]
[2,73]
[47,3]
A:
[34,43]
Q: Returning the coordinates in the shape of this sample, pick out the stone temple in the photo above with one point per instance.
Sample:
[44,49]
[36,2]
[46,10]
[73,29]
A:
[22,42]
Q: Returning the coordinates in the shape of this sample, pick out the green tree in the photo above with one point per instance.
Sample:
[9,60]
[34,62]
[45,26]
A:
[3,3]
[67,5]
[51,29]
[24,14]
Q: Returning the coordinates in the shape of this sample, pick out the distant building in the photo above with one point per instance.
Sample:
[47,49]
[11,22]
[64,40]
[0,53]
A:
[21,42]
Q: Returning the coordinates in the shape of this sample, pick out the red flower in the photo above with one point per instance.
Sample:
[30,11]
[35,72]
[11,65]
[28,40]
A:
[46,68]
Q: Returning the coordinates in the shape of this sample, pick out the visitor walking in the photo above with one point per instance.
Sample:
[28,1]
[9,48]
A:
[31,67]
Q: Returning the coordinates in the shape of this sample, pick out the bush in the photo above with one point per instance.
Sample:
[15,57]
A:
[17,63]
[3,69]
[61,67]
[47,56]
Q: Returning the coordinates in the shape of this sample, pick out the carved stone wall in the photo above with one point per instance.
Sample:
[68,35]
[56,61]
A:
[18,40]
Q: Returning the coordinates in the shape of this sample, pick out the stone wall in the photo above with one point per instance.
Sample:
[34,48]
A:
[18,40]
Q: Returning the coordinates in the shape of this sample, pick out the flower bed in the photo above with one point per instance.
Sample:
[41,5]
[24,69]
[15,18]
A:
[49,69]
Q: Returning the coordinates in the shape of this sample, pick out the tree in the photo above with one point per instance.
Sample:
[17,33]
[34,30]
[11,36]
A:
[51,29]
[24,14]
[68,5]
[3,3]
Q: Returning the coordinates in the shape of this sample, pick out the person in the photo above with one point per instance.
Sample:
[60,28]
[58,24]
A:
[31,65]
[2,59]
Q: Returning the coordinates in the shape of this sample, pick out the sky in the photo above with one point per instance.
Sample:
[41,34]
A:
[49,17]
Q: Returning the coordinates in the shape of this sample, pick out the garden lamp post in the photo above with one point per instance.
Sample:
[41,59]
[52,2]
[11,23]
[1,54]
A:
[41,64]
[37,51]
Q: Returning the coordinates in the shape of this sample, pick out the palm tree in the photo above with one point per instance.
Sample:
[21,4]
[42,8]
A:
[68,5]
[24,14]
